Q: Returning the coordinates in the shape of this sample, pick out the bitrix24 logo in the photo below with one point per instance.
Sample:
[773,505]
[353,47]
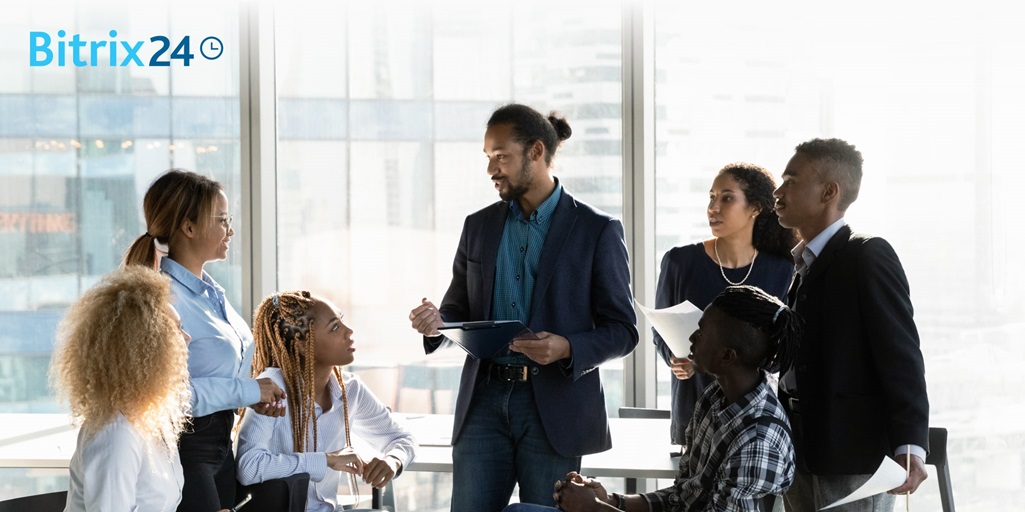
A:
[45,49]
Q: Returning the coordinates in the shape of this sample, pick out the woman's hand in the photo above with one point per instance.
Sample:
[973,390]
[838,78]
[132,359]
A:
[269,391]
[346,460]
[272,399]
[682,367]
[378,472]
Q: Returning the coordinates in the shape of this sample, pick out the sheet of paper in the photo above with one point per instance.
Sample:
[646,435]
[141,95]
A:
[889,476]
[674,324]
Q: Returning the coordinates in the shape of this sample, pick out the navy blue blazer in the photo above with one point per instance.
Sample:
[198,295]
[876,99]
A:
[582,292]
[860,371]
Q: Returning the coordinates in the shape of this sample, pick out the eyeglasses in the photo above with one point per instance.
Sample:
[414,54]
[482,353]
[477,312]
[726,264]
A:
[225,220]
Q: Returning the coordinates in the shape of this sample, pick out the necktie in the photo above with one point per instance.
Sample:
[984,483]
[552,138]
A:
[789,381]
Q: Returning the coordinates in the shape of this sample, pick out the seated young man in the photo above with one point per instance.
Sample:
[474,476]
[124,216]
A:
[739,439]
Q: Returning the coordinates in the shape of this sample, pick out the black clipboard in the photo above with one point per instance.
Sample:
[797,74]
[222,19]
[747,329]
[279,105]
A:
[485,339]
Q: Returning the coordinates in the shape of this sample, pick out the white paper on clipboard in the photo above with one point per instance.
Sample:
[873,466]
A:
[674,324]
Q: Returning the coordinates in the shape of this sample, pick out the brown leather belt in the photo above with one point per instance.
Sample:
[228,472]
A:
[508,372]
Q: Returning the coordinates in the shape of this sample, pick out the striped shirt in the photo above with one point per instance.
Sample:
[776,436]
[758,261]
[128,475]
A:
[265,448]
[738,454]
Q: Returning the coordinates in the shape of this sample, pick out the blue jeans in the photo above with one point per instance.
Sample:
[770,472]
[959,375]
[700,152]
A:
[529,507]
[503,443]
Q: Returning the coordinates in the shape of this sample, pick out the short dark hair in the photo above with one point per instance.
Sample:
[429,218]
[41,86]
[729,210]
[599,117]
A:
[529,125]
[773,330]
[838,161]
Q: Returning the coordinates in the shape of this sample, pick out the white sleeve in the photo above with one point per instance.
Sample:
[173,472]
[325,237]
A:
[262,454]
[112,460]
[372,422]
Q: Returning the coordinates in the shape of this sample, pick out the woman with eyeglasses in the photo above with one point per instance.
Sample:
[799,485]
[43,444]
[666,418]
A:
[187,226]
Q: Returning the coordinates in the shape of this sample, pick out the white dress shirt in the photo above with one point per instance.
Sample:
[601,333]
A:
[117,469]
[265,448]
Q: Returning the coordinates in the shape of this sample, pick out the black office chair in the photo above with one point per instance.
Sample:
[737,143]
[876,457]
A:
[278,495]
[383,499]
[49,502]
[938,457]
[641,412]
[289,494]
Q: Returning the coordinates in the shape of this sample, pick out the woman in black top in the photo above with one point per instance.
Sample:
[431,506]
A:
[748,247]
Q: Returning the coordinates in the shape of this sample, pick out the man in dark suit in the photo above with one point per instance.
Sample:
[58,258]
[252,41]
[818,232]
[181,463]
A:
[527,415]
[857,391]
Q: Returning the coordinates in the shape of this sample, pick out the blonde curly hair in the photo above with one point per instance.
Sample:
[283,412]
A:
[119,350]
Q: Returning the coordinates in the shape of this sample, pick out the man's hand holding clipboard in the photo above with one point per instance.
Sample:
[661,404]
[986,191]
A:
[542,347]
[485,339]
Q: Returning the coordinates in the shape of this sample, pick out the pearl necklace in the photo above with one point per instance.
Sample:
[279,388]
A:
[715,246]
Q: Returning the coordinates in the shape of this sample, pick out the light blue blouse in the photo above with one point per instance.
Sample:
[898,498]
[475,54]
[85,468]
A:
[221,351]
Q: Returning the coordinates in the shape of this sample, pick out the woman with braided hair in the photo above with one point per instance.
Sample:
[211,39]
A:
[301,344]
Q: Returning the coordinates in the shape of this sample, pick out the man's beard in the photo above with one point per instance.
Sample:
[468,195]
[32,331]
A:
[514,192]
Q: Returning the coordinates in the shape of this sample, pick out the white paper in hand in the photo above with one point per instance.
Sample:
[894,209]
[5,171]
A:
[674,324]
[890,475]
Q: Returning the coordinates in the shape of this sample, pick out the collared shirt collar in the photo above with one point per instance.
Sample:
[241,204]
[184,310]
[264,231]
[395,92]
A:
[805,253]
[735,409]
[187,278]
[542,212]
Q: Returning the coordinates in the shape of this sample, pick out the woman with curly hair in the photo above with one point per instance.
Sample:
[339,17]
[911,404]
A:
[188,223]
[748,246]
[120,362]
[301,344]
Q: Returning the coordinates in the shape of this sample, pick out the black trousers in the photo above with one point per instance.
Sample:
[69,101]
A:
[208,464]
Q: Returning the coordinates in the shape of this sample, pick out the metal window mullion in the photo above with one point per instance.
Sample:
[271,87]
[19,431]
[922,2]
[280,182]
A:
[258,112]
[639,188]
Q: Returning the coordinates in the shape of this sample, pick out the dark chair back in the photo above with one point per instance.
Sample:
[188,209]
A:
[49,502]
[640,412]
[278,495]
[938,457]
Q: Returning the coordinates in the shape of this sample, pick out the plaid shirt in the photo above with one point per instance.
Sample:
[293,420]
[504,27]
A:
[736,455]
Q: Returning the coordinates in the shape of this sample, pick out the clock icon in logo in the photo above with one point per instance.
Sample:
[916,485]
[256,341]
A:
[211,48]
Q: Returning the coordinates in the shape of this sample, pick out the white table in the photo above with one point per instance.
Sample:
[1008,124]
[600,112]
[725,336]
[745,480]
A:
[36,440]
[640,446]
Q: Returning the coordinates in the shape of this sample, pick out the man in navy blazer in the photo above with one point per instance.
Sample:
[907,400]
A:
[527,415]
[857,391]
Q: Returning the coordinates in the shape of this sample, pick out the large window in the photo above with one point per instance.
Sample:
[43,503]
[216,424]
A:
[79,145]
[933,101]
[379,123]
[381,114]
